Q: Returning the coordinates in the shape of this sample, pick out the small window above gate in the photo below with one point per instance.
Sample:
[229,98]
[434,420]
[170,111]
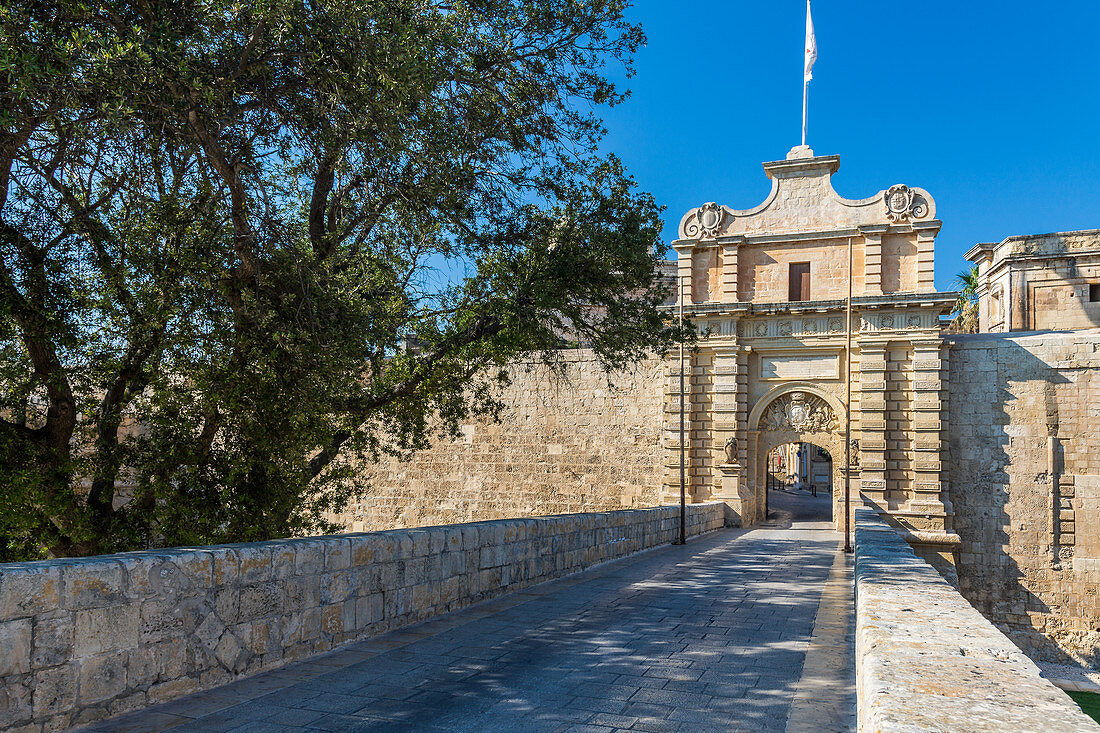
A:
[799,288]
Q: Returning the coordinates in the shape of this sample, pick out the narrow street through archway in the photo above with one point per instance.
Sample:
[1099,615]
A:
[741,630]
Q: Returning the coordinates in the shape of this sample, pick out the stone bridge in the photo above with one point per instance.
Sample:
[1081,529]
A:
[587,622]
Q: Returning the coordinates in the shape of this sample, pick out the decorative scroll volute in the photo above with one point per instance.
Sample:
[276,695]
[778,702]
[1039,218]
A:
[904,204]
[706,222]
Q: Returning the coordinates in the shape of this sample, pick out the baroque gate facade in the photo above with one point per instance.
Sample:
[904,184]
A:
[767,288]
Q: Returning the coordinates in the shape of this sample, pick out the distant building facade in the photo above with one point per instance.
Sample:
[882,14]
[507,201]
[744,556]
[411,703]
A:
[1039,282]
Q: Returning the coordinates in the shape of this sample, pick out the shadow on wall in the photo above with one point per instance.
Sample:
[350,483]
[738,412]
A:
[1005,460]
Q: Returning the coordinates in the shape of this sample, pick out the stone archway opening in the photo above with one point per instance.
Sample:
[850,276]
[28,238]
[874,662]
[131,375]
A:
[799,480]
[811,419]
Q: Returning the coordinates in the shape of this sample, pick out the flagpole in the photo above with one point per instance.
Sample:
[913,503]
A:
[807,70]
[805,100]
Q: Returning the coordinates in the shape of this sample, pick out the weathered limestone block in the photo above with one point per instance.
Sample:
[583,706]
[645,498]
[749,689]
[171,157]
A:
[53,642]
[15,700]
[15,647]
[104,630]
[92,583]
[25,587]
[102,678]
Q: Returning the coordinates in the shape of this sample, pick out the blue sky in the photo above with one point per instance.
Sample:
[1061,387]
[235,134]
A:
[993,107]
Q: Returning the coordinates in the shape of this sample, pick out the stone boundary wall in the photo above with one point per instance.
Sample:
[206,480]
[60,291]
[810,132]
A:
[85,639]
[928,660]
[579,440]
[1024,470]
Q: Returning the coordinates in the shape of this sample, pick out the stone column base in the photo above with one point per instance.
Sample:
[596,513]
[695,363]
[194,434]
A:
[735,493]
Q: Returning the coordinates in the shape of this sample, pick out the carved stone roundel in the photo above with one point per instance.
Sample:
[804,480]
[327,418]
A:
[903,203]
[707,221]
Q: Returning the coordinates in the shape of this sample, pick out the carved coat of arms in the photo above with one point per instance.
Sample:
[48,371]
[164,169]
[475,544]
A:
[799,412]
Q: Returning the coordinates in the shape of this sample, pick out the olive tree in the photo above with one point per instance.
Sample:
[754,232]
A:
[224,222]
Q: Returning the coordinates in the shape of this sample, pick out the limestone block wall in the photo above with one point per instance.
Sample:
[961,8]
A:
[927,660]
[81,640]
[1024,471]
[764,270]
[582,441]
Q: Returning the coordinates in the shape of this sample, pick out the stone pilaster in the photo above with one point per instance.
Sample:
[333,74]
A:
[743,402]
[872,259]
[701,416]
[684,272]
[726,478]
[1017,303]
[927,425]
[872,420]
[729,271]
[670,491]
[926,253]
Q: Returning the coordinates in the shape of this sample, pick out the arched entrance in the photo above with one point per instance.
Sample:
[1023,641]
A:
[799,413]
[799,481]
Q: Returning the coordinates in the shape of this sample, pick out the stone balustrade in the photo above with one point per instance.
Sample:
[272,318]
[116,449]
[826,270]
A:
[88,638]
[926,660]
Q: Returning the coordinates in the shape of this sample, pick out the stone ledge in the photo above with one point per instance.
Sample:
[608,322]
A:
[926,660]
[82,640]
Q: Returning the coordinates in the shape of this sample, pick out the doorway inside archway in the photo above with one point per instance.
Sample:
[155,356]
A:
[799,479]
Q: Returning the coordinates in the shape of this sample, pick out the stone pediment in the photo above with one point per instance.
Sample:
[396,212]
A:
[802,199]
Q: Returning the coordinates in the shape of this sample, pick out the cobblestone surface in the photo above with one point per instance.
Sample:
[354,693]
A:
[712,635]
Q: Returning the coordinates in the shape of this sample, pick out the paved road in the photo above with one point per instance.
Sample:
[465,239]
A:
[711,636]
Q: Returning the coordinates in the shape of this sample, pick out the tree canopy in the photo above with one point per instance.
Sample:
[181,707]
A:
[220,221]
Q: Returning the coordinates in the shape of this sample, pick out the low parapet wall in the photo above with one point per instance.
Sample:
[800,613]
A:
[84,639]
[926,660]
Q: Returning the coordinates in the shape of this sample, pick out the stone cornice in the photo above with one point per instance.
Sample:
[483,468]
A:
[809,236]
[979,249]
[828,164]
[940,301]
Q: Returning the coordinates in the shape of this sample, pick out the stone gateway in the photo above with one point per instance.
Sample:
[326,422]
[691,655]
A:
[767,288]
[981,448]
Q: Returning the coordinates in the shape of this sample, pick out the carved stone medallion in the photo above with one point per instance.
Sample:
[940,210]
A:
[903,204]
[706,221]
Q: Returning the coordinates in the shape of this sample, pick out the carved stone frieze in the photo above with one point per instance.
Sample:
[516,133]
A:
[785,326]
[896,321]
[800,412]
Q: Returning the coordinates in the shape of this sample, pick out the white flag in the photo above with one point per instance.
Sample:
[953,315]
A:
[811,44]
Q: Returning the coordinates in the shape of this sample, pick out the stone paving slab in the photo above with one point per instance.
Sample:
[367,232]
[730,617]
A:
[708,636]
